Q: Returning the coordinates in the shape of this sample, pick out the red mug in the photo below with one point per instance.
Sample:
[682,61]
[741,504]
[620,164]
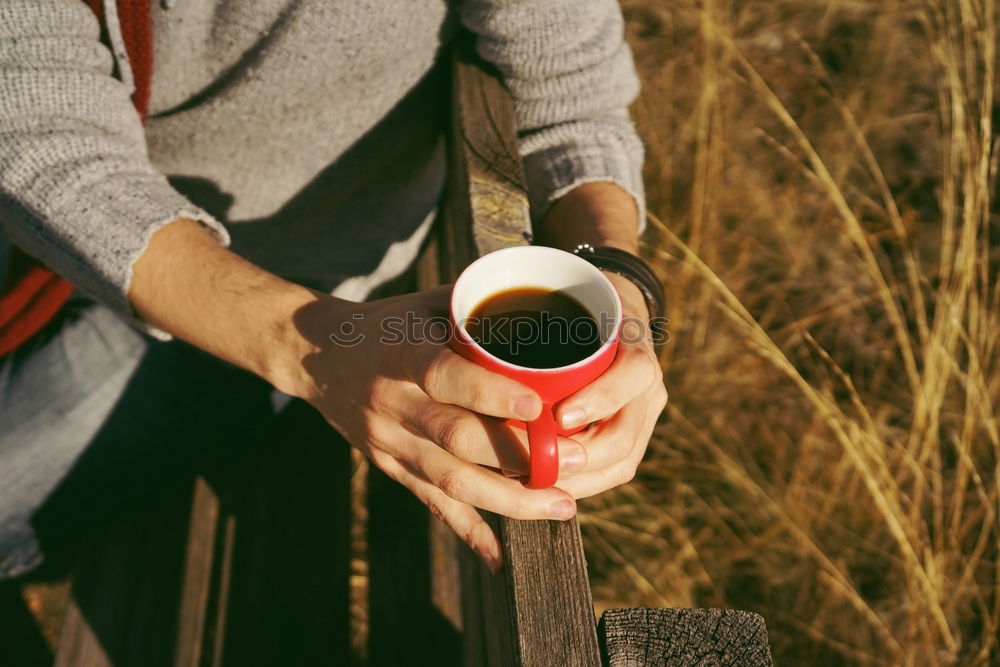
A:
[534,267]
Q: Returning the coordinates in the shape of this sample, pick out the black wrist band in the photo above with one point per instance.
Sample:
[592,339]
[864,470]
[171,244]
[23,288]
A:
[629,266]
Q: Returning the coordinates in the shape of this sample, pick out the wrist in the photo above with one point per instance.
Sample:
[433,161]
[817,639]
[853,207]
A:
[286,344]
[188,285]
[630,266]
[633,302]
[598,213]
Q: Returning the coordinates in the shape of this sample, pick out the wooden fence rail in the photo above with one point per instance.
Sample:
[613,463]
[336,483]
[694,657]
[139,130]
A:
[538,610]
[248,565]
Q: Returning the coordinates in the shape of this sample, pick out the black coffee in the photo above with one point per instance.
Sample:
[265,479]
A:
[536,328]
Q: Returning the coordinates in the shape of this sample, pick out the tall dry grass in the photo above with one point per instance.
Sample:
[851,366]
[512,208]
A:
[820,177]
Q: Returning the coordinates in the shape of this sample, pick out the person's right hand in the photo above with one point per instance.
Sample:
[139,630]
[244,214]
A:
[426,416]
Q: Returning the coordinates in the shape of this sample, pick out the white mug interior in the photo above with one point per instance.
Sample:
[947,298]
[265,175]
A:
[539,267]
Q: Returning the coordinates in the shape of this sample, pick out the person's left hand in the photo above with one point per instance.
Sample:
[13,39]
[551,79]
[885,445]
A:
[623,404]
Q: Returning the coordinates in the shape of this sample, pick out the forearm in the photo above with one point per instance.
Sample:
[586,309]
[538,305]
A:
[187,284]
[190,286]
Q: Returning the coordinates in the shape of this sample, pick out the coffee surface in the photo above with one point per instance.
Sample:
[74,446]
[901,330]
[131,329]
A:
[535,328]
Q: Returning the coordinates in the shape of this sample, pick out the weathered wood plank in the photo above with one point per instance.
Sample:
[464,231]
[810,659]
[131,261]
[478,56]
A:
[684,638]
[199,566]
[487,205]
[538,610]
[446,573]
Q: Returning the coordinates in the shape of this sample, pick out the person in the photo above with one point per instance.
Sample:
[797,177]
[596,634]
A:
[289,167]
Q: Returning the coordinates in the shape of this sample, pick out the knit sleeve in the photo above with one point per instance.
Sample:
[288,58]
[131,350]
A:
[571,76]
[77,189]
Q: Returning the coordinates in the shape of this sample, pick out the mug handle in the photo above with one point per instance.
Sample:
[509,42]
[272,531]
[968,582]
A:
[543,449]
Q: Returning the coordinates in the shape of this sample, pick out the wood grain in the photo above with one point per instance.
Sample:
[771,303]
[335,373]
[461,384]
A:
[487,204]
[684,638]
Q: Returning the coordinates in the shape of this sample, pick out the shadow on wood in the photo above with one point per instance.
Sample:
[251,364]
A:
[242,562]
[405,626]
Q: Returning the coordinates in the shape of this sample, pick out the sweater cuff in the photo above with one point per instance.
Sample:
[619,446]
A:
[112,226]
[554,171]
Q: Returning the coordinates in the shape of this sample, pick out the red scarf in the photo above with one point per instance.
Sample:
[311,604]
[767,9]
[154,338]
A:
[32,293]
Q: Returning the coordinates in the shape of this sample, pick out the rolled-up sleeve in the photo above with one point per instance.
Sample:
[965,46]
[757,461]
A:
[571,75]
[77,189]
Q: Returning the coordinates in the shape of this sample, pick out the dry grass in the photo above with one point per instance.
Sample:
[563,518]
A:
[820,177]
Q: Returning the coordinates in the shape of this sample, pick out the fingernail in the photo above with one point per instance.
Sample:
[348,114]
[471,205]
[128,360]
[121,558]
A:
[562,509]
[572,459]
[572,418]
[526,407]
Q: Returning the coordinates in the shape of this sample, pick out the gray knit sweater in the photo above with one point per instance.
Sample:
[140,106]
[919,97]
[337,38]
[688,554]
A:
[305,133]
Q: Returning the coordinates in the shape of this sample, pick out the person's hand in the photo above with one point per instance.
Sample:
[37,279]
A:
[381,373]
[424,415]
[622,405]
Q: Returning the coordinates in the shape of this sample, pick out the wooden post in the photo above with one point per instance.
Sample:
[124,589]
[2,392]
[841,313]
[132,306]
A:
[684,637]
[538,609]
[288,573]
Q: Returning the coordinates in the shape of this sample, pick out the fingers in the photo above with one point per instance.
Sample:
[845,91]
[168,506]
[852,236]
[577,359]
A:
[451,488]
[460,517]
[448,378]
[479,439]
[634,372]
[466,435]
[610,441]
[469,483]
[476,486]
[615,448]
